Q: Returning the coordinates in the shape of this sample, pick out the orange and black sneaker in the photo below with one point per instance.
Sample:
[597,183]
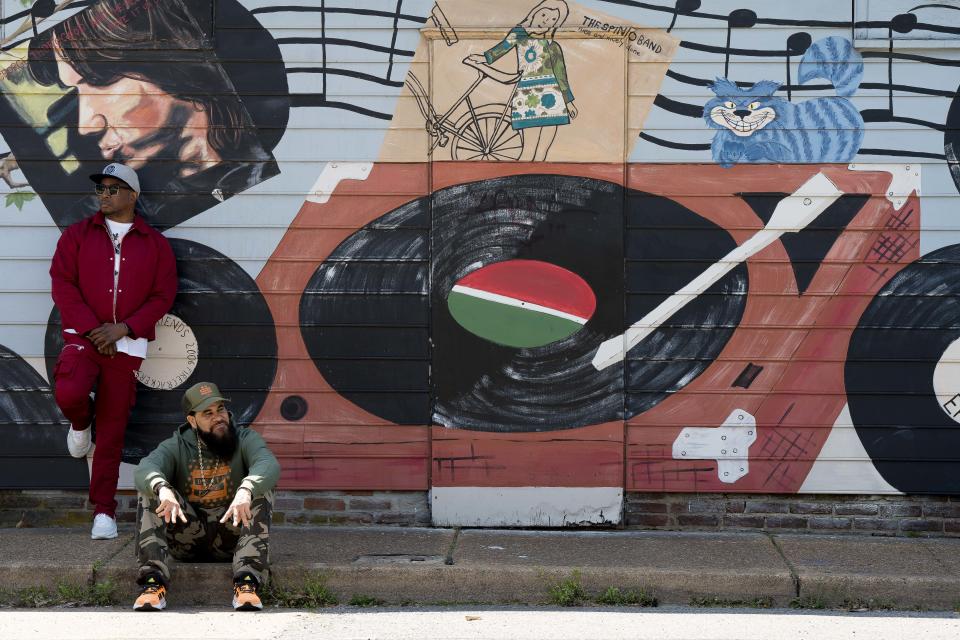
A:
[153,596]
[245,596]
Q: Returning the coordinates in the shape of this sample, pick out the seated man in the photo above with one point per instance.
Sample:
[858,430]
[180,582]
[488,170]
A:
[196,489]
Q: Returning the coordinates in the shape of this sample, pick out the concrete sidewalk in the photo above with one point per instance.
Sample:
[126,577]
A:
[430,566]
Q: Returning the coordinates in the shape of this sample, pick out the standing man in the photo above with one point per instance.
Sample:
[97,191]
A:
[196,489]
[114,277]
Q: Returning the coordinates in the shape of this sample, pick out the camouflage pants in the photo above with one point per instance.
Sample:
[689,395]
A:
[204,539]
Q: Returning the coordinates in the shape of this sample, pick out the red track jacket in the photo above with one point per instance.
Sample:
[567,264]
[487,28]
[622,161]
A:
[82,274]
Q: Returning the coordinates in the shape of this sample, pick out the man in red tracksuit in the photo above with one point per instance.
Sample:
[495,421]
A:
[114,277]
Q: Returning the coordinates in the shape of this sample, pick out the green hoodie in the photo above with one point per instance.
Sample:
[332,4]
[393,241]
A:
[176,460]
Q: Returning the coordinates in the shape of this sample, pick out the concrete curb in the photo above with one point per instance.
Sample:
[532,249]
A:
[406,565]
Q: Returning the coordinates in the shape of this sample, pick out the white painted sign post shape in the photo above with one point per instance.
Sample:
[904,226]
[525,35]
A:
[728,445]
[792,214]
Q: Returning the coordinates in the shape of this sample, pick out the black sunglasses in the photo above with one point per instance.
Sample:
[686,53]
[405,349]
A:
[112,189]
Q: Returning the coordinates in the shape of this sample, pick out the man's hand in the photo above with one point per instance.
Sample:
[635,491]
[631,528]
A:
[239,509]
[108,350]
[107,334]
[169,508]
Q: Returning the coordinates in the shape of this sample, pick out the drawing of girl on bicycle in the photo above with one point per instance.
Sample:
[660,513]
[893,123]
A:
[542,99]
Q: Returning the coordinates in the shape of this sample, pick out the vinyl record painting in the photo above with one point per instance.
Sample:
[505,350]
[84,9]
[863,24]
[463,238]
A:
[526,280]
[900,373]
[220,329]
[34,452]
[364,316]
[951,139]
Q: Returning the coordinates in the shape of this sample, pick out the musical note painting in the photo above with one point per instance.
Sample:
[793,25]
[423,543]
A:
[527,256]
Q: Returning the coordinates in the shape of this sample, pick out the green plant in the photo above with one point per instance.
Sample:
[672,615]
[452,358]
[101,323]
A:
[614,597]
[70,594]
[101,594]
[809,602]
[569,592]
[29,597]
[310,594]
[360,600]
[764,602]
[859,604]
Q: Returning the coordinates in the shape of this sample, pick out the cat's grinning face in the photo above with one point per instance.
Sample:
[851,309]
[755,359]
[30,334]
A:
[742,119]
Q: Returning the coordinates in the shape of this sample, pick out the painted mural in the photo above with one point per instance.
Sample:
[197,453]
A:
[528,256]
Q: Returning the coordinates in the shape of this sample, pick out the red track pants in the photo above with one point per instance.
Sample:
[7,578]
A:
[79,368]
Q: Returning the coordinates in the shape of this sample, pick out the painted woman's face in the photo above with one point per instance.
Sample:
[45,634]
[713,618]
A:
[135,121]
[545,19]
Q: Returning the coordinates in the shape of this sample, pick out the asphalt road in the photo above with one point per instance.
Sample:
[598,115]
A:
[532,623]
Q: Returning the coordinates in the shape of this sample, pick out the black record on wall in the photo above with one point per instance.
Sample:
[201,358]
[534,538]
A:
[235,342]
[34,453]
[366,311]
[364,316]
[951,139]
[571,222]
[889,376]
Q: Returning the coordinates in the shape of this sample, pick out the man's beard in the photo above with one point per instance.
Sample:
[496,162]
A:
[220,446]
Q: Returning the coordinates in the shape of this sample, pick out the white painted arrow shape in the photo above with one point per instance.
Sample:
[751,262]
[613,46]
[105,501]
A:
[332,174]
[792,214]
[904,180]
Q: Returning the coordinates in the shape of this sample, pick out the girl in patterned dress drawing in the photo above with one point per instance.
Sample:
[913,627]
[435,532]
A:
[542,99]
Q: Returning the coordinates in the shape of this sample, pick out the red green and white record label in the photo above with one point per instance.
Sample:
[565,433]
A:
[522,303]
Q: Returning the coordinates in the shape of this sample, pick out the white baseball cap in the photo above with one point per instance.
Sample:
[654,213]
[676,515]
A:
[121,172]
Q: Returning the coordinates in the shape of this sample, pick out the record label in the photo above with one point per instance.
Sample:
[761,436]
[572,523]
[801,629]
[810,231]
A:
[172,357]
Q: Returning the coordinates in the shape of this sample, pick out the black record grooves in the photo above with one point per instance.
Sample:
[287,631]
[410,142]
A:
[34,453]
[236,344]
[364,316]
[572,222]
[364,312]
[951,139]
[893,354]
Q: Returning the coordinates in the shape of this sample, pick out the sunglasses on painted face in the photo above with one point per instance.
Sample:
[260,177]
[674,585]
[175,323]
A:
[112,189]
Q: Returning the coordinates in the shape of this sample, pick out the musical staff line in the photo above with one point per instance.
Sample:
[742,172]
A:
[717,16]
[882,115]
[680,108]
[683,146]
[789,22]
[346,72]
[343,42]
[344,10]
[756,53]
[940,62]
[901,152]
[905,88]
[919,26]
[318,100]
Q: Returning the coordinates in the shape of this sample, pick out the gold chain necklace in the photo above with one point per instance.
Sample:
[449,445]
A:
[204,484]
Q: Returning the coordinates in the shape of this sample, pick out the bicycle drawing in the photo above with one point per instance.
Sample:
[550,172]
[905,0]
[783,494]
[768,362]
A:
[525,126]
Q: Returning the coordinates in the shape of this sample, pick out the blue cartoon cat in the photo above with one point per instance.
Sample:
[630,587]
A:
[754,125]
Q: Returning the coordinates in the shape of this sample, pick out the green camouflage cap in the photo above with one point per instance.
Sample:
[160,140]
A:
[200,396]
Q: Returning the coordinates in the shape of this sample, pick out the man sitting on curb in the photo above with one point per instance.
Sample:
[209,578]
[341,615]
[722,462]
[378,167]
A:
[195,489]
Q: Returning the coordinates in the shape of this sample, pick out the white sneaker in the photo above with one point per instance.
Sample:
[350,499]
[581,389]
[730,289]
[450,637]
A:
[104,527]
[78,442]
